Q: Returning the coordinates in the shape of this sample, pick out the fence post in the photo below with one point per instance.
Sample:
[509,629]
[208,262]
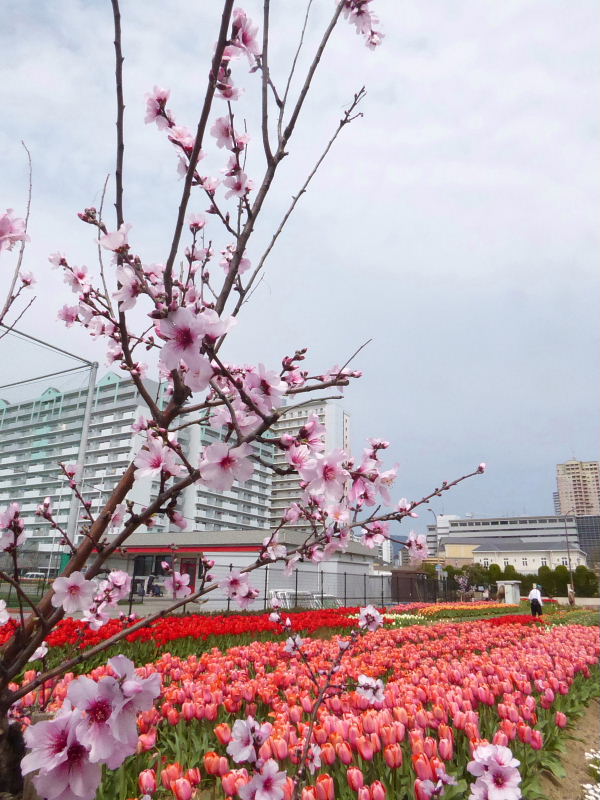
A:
[345,598]
[321,576]
[382,600]
[365,586]
[131,596]
[296,590]
[266,585]
[229,598]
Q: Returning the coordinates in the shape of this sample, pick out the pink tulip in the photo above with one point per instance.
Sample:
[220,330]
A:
[392,754]
[182,789]
[147,781]
[561,719]
[378,791]
[355,778]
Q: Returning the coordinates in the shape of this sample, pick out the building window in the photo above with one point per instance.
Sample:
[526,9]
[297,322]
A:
[524,562]
[506,562]
[544,562]
[486,562]
[564,561]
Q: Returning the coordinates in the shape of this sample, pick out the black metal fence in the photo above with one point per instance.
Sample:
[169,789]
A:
[319,588]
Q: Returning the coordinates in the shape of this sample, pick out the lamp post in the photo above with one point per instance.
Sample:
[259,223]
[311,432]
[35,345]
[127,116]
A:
[572,587]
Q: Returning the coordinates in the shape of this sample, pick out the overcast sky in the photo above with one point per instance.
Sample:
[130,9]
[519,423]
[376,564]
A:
[455,225]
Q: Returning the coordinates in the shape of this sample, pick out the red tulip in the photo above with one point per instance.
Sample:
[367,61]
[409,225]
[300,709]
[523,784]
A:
[223,732]
[171,773]
[324,787]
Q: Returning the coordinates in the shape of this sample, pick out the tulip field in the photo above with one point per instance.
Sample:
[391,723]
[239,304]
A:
[448,686]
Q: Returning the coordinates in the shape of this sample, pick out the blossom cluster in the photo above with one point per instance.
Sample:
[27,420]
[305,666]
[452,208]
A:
[97,724]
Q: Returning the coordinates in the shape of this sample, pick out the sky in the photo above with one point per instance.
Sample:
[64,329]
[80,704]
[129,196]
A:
[454,225]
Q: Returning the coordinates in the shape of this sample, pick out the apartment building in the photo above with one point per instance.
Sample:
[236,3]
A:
[578,488]
[36,434]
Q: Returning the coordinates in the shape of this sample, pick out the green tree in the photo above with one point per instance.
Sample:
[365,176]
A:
[495,573]
[510,573]
[546,579]
[586,582]
[562,580]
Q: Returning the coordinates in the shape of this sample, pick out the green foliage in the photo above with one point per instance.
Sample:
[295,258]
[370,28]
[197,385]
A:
[586,582]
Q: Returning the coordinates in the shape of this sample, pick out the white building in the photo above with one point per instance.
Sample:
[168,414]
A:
[347,576]
[527,557]
[36,434]
[527,529]
[286,488]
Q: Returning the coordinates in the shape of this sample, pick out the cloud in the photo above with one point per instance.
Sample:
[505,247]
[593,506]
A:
[456,223]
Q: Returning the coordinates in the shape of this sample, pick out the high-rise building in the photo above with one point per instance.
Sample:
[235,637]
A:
[36,434]
[578,485]
[286,488]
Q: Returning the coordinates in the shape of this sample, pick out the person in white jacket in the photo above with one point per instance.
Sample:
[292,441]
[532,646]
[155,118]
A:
[535,599]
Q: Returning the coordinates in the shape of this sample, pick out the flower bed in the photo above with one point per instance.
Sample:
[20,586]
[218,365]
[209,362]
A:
[448,686]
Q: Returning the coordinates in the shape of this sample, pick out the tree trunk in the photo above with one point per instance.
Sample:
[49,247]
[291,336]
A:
[12,750]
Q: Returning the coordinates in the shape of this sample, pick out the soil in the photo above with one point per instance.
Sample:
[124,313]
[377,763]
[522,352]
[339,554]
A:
[586,733]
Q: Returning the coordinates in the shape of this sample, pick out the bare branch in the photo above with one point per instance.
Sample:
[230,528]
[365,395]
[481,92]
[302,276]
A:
[265,84]
[210,92]
[292,70]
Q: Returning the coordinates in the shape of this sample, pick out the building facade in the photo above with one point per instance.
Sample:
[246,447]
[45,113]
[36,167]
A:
[588,531]
[525,557]
[578,488]
[37,434]
[527,529]
[286,488]
[349,577]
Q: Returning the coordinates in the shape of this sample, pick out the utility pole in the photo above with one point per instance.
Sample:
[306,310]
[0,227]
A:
[82,451]
[569,556]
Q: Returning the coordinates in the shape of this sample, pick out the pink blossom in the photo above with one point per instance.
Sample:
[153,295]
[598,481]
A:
[311,434]
[12,230]
[116,240]
[65,771]
[246,736]
[223,132]
[156,108]
[27,278]
[375,533]
[369,618]
[118,515]
[221,465]
[177,585]
[77,278]
[73,593]
[265,785]
[98,700]
[238,184]
[184,332]
[68,314]
[130,288]
[244,34]
[370,688]
[39,653]
[199,376]
[325,475]
[265,387]
[154,459]
[246,596]
[417,547]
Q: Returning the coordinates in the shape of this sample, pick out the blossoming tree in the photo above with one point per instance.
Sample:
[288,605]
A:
[192,301]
